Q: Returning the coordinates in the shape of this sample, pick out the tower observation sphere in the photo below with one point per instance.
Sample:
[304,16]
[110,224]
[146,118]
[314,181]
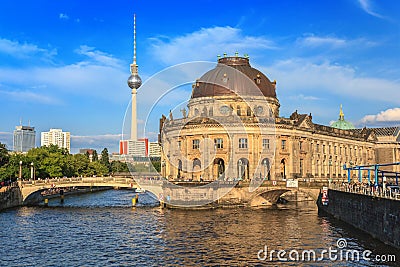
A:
[134,81]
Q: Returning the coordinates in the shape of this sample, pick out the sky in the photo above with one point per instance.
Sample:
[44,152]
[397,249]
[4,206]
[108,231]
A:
[64,64]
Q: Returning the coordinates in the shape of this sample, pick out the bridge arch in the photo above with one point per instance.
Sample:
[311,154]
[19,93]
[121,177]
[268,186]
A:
[268,196]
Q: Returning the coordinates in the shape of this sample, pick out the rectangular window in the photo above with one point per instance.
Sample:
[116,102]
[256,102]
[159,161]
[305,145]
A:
[318,148]
[179,144]
[283,144]
[219,143]
[323,149]
[242,142]
[196,144]
[265,143]
[334,150]
[300,145]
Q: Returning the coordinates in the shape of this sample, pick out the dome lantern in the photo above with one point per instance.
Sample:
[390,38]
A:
[342,123]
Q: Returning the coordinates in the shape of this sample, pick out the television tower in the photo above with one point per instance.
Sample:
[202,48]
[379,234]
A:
[134,82]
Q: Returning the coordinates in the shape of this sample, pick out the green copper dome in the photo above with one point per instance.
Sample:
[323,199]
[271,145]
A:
[342,123]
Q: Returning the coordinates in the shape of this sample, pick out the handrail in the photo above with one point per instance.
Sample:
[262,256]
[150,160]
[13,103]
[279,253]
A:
[364,189]
[78,180]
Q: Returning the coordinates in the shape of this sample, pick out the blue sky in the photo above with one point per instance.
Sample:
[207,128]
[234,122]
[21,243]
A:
[64,64]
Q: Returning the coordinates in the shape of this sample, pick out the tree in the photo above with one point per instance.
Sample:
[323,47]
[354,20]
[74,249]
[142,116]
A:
[96,168]
[105,159]
[80,163]
[4,156]
[156,165]
[95,156]
[118,166]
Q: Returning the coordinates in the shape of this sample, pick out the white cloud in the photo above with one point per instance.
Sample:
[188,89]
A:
[20,50]
[98,56]
[63,16]
[28,96]
[207,41]
[332,42]
[309,77]
[367,7]
[389,115]
[314,41]
[84,78]
[304,97]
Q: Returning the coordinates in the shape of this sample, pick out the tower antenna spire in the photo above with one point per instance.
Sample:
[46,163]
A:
[134,39]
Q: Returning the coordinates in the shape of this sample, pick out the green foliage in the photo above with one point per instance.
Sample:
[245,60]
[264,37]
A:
[141,167]
[4,156]
[95,156]
[105,159]
[118,166]
[157,165]
[52,161]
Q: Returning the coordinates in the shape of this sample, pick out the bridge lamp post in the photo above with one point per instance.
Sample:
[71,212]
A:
[20,170]
[32,171]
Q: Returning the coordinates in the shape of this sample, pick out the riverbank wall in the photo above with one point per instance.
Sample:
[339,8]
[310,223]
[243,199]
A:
[10,198]
[377,216]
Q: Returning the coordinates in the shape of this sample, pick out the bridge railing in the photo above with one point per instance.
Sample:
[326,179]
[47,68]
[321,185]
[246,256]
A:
[57,181]
[367,190]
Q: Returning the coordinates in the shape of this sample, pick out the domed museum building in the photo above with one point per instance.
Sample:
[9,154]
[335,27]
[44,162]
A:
[233,130]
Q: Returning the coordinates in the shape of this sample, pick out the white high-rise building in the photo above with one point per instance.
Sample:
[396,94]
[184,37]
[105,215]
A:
[56,137]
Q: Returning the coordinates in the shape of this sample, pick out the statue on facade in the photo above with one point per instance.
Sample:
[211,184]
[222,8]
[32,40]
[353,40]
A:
[183,113]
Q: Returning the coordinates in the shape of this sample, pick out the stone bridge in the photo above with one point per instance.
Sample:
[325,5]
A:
[225,193]
[30,190]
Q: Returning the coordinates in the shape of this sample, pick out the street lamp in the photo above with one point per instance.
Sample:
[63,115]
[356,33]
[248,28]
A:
[20,170]
[32,171]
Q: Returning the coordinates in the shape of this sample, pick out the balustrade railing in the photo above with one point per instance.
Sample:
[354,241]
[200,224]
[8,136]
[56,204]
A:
[57,181]
[365,189]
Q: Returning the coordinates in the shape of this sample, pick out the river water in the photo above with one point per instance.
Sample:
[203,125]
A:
[102,229]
